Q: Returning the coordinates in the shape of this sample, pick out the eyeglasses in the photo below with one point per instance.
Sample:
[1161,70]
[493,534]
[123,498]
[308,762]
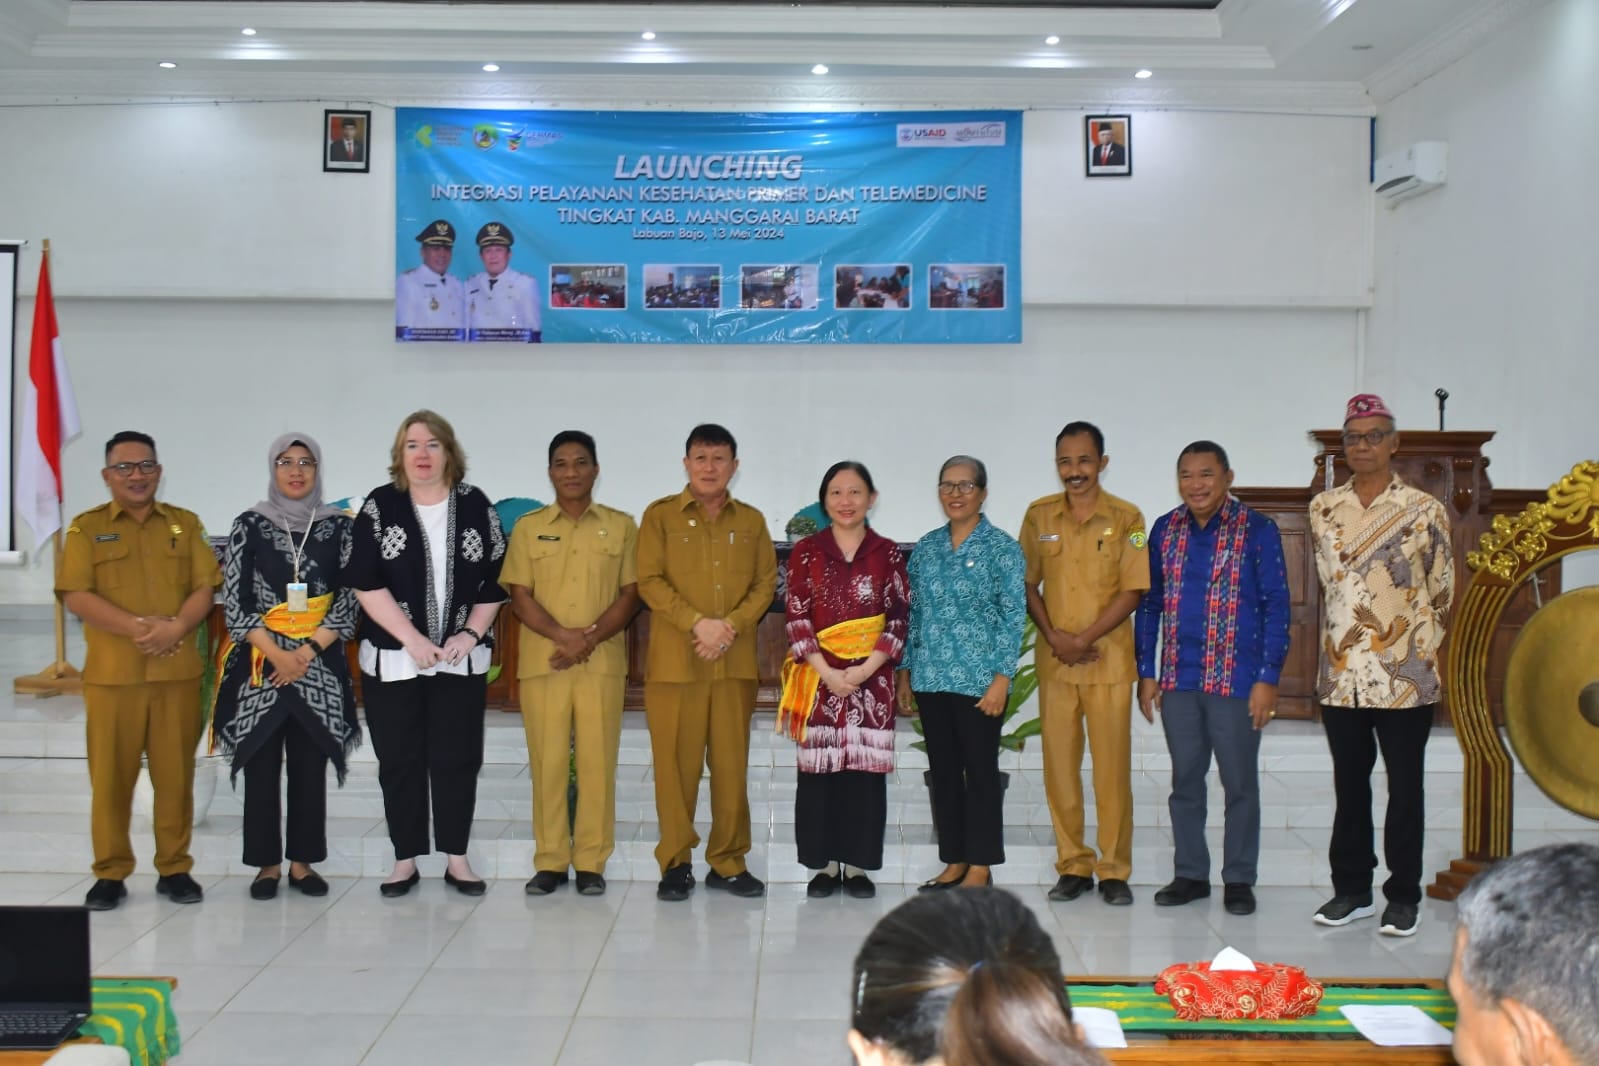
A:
[306,463]
[145,466]
[956,488]
[1373,437]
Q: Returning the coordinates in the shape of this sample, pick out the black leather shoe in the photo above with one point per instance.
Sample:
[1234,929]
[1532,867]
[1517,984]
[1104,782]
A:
[1115,892]
[179,888]
[105,894]
[1070,886]
[1182,890]
[859,886]
[823,885]
[590,884]
[465,887]
[311,884]
[676,883]
[1238,898]
[393,889]
[545,881]
[264,888]
[743,884]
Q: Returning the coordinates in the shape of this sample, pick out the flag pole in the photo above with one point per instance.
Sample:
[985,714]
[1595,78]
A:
[60,676]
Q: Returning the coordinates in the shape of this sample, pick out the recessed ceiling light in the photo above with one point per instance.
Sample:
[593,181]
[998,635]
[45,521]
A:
[491,67]
[648,35]
[820,68]
[248,31]
[1052,39]
[166,64]
[1144,74]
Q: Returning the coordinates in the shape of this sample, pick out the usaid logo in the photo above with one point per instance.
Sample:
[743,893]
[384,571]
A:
[950,135]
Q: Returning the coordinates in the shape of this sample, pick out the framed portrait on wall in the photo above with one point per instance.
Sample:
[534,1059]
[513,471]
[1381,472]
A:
[346,141]
[1109,145]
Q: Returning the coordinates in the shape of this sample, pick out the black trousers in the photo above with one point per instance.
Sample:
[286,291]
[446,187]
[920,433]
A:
[308,798]
[963,757]
[840,817]
[1354,735]
[428,736]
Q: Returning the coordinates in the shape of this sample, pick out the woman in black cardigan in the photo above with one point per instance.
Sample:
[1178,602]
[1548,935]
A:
[425,566]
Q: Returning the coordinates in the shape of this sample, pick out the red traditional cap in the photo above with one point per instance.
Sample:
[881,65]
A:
[1366,405]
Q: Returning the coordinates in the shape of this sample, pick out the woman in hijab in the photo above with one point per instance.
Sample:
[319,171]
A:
[284,693]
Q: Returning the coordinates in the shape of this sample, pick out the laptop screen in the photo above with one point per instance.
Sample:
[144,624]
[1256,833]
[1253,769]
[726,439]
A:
[44,956]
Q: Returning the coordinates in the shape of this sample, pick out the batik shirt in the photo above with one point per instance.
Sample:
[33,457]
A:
[1387,578]
[968,607]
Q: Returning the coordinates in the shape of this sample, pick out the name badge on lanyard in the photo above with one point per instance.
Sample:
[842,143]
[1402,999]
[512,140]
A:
[299,599]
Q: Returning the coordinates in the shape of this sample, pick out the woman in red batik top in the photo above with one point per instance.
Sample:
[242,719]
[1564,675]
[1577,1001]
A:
[848,603]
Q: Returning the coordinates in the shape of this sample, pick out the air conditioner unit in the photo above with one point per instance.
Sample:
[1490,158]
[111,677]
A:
[1411,171]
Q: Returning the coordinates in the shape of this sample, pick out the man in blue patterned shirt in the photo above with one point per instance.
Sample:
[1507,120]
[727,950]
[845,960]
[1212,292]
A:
[1218,604]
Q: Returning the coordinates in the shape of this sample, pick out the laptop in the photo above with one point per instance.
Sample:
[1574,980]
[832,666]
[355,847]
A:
[44,975]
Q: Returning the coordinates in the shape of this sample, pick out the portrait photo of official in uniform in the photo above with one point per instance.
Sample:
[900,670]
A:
[1110,145]
[345,141]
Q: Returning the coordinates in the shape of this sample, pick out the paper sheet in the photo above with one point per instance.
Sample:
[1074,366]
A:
[1396,1026]
[1101,1027]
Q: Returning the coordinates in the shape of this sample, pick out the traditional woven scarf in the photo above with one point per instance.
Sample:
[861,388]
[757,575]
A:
[852,639]
[1221,599]
[296,625]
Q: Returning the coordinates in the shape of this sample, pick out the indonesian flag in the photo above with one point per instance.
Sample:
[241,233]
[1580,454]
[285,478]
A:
[49,419]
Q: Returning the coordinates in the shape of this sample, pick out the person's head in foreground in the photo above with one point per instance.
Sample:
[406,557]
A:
[963,978]
[1525,975]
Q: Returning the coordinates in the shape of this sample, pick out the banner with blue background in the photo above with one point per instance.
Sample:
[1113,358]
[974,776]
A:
[683,228]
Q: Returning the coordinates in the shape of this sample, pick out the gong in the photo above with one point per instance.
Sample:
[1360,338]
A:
[1552,699]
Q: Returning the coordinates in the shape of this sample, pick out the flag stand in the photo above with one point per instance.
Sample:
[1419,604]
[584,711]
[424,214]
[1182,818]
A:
[60,676]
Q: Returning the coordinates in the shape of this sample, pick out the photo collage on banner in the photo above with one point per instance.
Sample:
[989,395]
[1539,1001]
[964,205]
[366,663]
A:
[674,228]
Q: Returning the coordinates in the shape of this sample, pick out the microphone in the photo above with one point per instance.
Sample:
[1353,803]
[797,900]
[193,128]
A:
[1443,398]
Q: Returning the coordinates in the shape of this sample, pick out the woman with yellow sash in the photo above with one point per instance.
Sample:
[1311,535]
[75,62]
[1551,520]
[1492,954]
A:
[847,602]
[283,689]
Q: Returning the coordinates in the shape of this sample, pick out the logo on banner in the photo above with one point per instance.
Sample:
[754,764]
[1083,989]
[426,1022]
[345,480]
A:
[484,136]
[949,135]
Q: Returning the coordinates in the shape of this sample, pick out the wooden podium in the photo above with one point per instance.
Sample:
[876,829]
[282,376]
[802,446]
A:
[1449,465]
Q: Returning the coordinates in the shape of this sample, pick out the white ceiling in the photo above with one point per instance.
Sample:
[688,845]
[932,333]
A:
[1287,54]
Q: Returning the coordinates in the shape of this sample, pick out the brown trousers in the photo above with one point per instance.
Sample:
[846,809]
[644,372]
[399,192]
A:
[695,725]
[159,720]
[1106,711]
[573,716]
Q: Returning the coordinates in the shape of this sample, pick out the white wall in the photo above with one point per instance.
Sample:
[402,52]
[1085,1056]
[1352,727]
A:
[216,288]
[1487,287]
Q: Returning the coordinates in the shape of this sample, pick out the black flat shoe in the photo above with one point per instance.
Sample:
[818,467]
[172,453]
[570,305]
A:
[465,887]
[179,888]
[822,885]
[264,888]
[544,882]
[105,895]
[391,889]
[311,884]
[859,886]
[1182,890]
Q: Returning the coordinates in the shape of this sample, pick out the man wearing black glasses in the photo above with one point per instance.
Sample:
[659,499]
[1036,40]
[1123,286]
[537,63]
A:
[1387,575]
[141,576]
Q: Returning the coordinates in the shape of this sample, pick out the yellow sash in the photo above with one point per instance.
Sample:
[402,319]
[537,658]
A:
[300,625]
[853,639]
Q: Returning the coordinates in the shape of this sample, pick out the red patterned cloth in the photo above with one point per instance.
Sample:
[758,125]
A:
[1272,990]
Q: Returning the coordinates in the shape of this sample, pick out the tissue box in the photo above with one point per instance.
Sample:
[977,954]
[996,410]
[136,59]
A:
[1271,990]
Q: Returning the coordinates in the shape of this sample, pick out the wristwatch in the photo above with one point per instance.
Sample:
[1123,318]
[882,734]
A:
[476,636]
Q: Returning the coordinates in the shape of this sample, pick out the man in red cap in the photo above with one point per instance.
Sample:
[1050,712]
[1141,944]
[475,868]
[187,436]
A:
[1387,577]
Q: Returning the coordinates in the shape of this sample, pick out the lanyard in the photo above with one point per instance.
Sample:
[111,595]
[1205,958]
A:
[300,550]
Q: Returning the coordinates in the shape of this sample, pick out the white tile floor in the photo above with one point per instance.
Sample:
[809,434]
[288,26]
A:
[622,979]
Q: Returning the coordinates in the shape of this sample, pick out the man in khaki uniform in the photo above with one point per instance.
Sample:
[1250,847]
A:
[707,569]
[570,572]
[142,577]
[1086,569]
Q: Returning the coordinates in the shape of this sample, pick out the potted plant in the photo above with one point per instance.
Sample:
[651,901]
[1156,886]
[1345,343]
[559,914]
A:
[801,525]
[1022,687]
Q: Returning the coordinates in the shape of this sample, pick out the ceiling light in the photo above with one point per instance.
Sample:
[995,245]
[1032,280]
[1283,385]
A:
[648,35]
[1144,74]
[820,68]
[166,64]
[248,31]
[1052,39]
[490,68]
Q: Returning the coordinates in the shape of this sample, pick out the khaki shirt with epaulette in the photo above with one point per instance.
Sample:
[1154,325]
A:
[575,569]
[146,568]
[1083,565]
[690,568]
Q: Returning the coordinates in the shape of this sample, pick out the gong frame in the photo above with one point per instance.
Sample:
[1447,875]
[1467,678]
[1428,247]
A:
[1512,551]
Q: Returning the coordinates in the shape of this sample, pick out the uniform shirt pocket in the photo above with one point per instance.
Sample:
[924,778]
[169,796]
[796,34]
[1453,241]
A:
[110,563]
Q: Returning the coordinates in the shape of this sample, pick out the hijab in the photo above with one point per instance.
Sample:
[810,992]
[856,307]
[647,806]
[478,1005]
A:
[294,515]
